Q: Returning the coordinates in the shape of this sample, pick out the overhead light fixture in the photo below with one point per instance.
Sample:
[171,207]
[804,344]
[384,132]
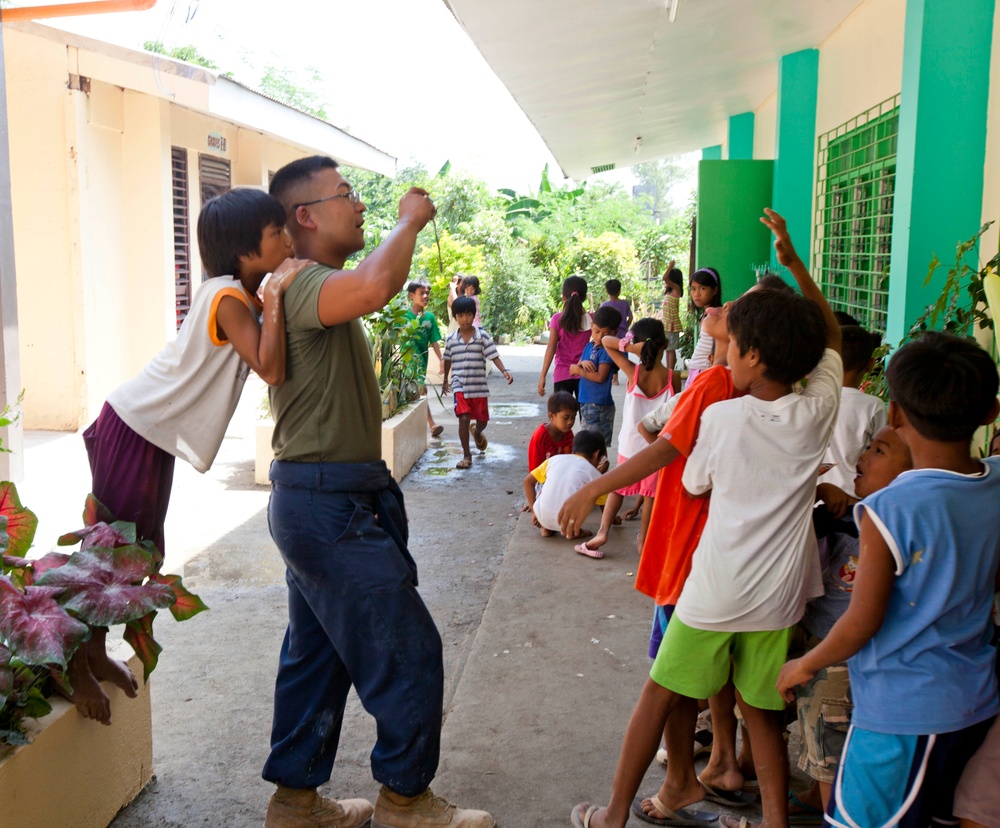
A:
[671,7]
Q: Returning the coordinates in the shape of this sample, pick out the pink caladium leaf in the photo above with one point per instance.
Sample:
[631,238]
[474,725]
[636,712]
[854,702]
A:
[36,628]
[96,512]
[31,569]
[139,634]
[105,586]
[6,675]
[20,523]
[111,535]
[187,604]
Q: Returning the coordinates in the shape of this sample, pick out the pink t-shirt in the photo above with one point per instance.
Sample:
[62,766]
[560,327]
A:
[569,346]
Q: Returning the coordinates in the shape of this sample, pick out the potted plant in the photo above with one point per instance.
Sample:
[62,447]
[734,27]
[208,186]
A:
[397,366]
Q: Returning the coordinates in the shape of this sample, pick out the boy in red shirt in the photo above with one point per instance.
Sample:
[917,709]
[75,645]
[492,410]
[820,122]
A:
[555,436]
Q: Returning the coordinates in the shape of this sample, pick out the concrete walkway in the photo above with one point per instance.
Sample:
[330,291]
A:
[545,650]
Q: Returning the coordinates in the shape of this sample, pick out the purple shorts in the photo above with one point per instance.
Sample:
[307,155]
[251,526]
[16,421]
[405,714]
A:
[132,477]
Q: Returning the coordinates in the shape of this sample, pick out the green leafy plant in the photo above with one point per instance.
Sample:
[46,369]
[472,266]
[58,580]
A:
[50,605]
[397,365]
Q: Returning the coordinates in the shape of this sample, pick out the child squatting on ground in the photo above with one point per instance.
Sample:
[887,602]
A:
[917,631]
[560,477]
[756,564]
[465,354]
[427,335]
[180,404]
[555,436]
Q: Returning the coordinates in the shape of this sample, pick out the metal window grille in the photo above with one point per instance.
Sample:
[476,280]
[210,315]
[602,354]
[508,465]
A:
[855,183]
[215,178]
[182,232]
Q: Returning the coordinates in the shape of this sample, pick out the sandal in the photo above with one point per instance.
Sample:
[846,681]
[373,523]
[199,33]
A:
[731,799]
[481,441]
[437,431]
[802,813]
[684,816]
[581,814]
[583,549]
[464,463]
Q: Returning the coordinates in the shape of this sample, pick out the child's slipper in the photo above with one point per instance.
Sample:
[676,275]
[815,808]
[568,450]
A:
[437,431]
[801,813]
[583,549]
[481,441]
[581,814]
[684,816]
[731,799]
[464,463]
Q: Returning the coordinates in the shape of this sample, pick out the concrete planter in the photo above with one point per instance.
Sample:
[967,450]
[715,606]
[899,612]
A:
[404,439]
[75,771]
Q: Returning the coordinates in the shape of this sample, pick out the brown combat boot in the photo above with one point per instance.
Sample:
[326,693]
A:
[424,811]
[305,808]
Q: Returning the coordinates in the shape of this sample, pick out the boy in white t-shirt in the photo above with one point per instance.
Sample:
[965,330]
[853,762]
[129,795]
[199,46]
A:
[757,563]
[561,476]
[861,415]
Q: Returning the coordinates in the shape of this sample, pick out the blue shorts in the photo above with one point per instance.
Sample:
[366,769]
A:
[901,781]
[661,617]
[599,418]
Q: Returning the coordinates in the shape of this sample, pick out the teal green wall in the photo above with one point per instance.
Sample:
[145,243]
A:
[712,153]
[942,146]
[795,147]
[732,196]
[741,137]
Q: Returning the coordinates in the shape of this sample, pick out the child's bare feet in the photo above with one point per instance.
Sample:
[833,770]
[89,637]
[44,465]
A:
[546,533]
[87,695]
[598,540]
[117,672]
[674,798]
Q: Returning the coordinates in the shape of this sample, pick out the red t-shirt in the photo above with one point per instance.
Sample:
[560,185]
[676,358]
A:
[677,520]
[542,446]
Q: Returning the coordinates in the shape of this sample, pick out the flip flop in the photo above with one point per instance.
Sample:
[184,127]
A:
[464,463]
[800,813]
[682,817]
[727,821]
[437,431]
[581,814]
[583,549]
[481,441]
[731,799]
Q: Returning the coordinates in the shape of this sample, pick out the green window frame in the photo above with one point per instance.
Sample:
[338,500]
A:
[855,186]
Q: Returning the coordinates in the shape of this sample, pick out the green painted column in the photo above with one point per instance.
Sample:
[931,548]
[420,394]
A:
[941,149]
[741,137]
[795,147]
[712,153]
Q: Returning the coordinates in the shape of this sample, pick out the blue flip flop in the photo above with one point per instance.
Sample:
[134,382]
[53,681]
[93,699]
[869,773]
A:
[683,817]
[731,799]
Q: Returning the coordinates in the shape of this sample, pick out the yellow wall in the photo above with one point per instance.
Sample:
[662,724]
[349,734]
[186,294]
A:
[764,126]
[860,63]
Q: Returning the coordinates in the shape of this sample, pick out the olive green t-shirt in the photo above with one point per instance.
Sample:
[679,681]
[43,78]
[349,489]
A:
[328,410]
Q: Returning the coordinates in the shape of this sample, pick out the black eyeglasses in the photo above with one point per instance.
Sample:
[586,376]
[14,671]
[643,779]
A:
[351,195]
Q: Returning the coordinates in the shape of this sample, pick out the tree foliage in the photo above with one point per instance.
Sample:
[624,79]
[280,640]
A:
[283,84]
[189,54]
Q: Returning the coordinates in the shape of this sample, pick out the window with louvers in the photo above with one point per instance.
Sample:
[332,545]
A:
[215,178]
[182,232]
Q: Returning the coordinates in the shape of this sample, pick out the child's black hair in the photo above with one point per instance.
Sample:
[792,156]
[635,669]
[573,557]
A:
[709,277]
[587,441]
[607,317]
[574,291]
[563,401]
[772,281]
[466,281]
[297,171]
[649,333]
[845,319]
[613,287]
[786,328]
[417,284]
[232,225]
[946,386]
[463,304]
[857,347]
[675,276]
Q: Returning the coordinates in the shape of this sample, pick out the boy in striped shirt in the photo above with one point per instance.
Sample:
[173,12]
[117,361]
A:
[465,355]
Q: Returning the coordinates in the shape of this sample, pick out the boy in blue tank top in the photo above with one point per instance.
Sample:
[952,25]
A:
[917,631]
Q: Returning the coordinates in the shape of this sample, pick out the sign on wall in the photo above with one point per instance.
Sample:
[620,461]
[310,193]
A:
[216,142]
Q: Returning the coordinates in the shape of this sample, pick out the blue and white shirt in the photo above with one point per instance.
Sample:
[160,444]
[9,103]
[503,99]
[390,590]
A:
[468,362]
[596,393]
[930,668]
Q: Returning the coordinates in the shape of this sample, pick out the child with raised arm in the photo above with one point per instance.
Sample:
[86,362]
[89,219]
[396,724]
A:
[917,630]
[465,355]
[428,335]
[597,406]
[555,436]
[756,564]
[559,477]
[180,404]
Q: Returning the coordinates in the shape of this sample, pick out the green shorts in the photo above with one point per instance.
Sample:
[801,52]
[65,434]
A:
[695,663]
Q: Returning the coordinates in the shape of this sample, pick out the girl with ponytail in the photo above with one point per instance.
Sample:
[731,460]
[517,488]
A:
[569,332]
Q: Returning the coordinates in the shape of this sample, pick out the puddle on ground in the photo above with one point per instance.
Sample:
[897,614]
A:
[515,410]
[440,462]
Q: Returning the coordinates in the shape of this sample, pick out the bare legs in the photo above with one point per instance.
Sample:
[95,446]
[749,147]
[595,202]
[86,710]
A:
[608,516]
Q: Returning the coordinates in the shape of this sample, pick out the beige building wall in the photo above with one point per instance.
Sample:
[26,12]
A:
[991,177]
[765,124]
[861,63]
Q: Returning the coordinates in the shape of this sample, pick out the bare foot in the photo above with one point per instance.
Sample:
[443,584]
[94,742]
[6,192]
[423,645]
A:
[87,695]
[117,672]
[591,816]
[674,798]
[598,540]
[547,533]
[722,779]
